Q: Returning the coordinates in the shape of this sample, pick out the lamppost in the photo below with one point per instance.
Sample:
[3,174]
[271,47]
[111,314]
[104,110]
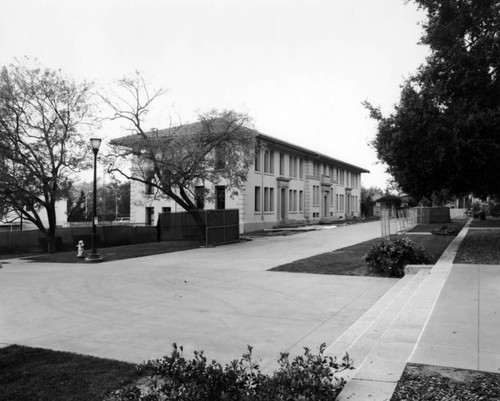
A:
[93,255]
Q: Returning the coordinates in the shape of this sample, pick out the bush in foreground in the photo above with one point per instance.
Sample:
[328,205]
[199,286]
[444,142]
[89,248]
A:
[306,377]
[390,257]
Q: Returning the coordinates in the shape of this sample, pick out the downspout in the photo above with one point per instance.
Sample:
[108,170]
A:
[262,186]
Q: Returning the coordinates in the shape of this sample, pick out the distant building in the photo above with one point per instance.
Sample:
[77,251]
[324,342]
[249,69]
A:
[12,221]
[286,182]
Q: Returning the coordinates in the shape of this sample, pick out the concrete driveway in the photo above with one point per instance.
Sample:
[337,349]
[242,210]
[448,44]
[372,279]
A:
[212,299]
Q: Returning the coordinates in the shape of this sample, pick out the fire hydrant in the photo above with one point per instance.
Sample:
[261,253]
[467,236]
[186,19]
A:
[81,249]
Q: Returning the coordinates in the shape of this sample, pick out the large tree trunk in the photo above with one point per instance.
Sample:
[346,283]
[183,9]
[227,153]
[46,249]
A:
[51,232]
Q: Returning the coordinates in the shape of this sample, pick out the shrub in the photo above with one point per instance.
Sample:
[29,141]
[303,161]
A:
[495,210]
[389,258]
[307,377]
[446,230]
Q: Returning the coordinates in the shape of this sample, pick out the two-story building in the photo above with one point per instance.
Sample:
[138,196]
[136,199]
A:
[286,182]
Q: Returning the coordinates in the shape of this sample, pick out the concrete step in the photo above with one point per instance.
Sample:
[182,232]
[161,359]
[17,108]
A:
[364,334]
[377,376]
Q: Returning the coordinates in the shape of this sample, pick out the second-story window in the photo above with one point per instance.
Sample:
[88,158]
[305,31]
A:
[315,169]
[257,159]
[282,164]
[293,166]
[149,183]
[220,158]
[269,161]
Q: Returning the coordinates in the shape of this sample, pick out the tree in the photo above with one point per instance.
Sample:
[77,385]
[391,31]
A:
[367,198]
[174,161]
[76,208]
[444,136]
[43,119]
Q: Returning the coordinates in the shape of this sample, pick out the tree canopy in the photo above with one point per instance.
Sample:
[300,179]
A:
[43,124]
[444,135]
[216,149]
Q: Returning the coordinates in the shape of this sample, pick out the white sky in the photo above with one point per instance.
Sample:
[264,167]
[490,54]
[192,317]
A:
[299,68]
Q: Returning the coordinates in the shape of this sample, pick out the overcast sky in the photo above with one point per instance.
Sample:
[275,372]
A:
[299,68]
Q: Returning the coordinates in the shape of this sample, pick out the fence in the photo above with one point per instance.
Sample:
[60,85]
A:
[405,220]
[215,227]
[67,238]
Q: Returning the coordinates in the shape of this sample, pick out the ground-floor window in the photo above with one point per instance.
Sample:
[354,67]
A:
[292,200]
[268,199]
[199,197]
[315,195]
[220,197]
[150,213]
[257,199]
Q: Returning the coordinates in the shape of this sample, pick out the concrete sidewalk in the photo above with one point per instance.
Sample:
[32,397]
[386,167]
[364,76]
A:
[452,319]
[213,299]
[463,330]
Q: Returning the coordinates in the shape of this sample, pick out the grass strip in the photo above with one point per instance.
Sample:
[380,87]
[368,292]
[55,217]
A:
[349,261]
[116,252]
[28,374]
[480,247]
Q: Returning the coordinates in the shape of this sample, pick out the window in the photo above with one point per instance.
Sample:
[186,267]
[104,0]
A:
[257,199]
[220,158]
[301,201]
[199,197]
[269,161]
[315,195]
[282,164]
[301,168]
[150,213]
[149,183]
[292,200]
[315,169]
[342,177]
[268,199]
[331,197]
[326,170]
[220,197]
[257,159]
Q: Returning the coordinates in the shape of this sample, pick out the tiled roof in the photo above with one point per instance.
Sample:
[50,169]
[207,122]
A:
[194,127]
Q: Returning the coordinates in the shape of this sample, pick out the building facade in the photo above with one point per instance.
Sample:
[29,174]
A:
[286,182]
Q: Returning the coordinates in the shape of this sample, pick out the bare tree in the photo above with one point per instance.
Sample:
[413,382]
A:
[218,148]
[43,117]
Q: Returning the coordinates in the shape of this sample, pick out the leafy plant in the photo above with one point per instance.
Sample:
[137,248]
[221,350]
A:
[307,377]
[391,257]
[495,210]
[446,230]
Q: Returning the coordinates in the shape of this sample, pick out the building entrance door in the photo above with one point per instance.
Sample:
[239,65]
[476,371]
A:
[283,203]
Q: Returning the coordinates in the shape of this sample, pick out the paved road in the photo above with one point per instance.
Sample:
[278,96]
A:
[212,299]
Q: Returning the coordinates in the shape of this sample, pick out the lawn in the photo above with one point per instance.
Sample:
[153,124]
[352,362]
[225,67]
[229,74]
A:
[480,247]
[28,374]
[348,261]
[433,383]
[115,253]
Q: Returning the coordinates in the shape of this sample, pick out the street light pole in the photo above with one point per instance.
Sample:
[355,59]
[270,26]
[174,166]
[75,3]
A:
[93,255]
